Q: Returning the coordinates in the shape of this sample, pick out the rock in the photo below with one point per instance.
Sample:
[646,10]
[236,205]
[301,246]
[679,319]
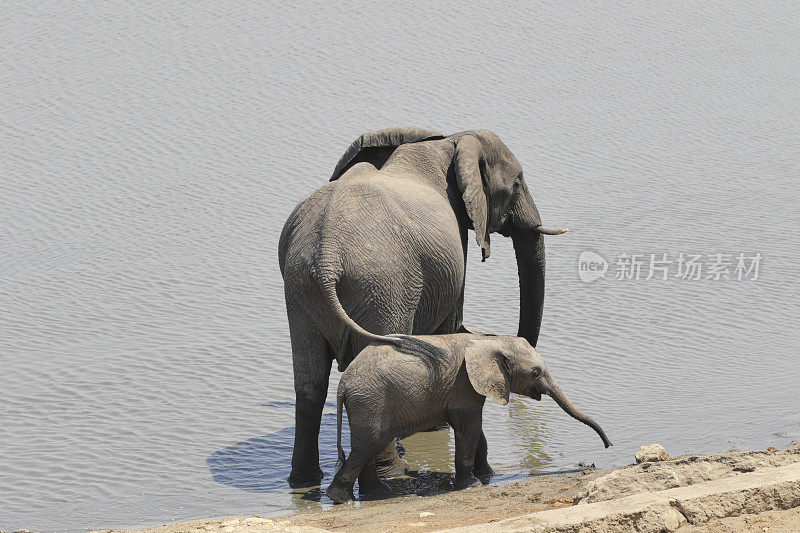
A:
[682,471]
[651,453]
[425,514]
[560,502]
[668,510]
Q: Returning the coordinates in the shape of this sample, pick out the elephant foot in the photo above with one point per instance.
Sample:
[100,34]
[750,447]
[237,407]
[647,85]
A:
[466,482]
[305,478]
[373,491]
[483,472]
[339,493]
[395,467]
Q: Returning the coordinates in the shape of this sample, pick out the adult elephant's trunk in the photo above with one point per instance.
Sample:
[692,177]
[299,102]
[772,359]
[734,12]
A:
[529,249]
[561,399]
[527,234]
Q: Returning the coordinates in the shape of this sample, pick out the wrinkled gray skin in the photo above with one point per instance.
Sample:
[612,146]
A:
[397,390]
[386,242]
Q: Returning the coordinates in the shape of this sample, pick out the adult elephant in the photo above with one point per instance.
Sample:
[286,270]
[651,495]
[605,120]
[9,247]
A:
[386,243]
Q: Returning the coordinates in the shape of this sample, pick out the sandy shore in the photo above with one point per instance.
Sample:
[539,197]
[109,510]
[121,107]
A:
[736,491]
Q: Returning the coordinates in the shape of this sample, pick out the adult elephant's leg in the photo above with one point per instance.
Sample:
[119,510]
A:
[450,324]
[312,367]
[482,470]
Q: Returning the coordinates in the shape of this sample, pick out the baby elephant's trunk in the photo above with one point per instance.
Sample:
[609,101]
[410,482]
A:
[563,402]
[339,405]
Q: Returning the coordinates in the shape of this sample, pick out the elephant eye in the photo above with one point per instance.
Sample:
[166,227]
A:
[537,373]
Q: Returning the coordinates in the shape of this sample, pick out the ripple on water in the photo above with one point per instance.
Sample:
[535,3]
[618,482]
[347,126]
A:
[155,151]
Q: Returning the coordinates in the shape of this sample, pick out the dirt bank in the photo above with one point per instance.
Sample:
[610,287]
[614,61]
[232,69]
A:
[429,513]
[743,491]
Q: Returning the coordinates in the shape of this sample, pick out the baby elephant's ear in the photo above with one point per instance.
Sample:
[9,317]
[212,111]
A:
[487,370]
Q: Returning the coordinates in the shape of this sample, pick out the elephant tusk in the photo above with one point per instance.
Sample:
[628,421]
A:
[547,231]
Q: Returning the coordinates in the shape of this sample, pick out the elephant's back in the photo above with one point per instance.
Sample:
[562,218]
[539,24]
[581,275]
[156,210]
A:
[407,391]
[380,370]
[402,255]
[397,261]
[390,372]
[399,225]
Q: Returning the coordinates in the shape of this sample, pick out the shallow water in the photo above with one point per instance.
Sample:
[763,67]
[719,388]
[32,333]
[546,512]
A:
[151,153]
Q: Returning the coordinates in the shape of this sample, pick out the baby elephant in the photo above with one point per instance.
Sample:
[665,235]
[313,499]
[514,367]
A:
[422,382]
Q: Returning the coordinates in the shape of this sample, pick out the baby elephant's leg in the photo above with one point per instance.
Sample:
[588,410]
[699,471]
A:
[468,435]
[341,488]
[360,465]
[370,484]
[389,463]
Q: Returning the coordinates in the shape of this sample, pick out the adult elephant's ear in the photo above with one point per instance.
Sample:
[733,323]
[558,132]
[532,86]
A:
[468,175]
[487,370]
[376,146]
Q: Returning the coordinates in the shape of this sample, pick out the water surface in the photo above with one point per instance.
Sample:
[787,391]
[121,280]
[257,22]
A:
[152,151]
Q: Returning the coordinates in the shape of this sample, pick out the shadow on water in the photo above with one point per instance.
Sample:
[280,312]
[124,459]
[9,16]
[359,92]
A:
[262,464]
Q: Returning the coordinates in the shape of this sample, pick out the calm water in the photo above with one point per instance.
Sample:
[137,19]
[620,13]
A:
[151,154]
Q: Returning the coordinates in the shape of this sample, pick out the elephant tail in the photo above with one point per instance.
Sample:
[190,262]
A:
[339,403]
[328,288]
